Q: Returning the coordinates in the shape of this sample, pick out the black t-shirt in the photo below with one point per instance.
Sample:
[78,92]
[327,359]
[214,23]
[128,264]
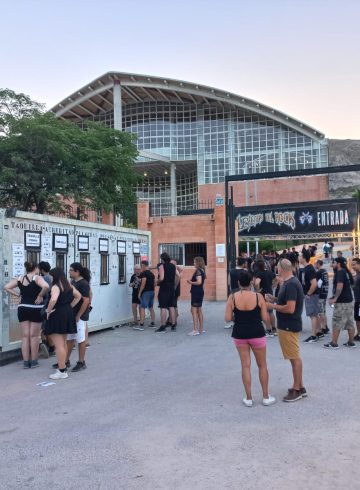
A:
[357,287]
[291,290]
[169,277]
[150,280]
[84,289]
[266,279]
[136,281]
[346,295]
[305,276]
[322,275]
[235,277]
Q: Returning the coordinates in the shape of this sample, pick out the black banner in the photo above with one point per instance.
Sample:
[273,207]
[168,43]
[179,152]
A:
[286,219]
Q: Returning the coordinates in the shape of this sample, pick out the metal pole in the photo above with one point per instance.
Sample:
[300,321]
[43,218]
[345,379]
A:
[173,189]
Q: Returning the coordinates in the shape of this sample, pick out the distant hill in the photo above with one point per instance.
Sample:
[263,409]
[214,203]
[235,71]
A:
[343,152]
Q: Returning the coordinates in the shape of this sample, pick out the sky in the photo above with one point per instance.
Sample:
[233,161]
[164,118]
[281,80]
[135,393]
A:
[298,56]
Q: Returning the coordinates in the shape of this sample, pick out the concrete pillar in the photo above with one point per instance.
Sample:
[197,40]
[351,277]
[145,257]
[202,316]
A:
[117,105]
[173,189]
[220,262]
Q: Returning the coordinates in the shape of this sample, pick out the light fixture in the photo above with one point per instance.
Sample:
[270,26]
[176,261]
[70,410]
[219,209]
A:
[145,174]
[166,172]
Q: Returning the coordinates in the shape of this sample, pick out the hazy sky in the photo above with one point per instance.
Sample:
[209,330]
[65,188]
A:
[299,56]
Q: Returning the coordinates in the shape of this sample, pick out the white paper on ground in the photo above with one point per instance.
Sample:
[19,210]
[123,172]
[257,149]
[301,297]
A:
[45,384]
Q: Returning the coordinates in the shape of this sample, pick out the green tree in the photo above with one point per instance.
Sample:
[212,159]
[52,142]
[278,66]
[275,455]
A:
[45,161]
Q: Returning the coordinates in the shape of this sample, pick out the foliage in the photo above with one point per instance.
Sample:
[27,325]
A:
[46,162]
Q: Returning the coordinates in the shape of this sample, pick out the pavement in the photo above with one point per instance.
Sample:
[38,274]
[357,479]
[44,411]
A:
[164,411]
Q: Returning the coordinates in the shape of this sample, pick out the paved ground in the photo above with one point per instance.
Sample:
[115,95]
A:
[164,412]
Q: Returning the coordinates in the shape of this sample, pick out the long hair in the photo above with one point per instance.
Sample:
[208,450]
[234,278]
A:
[84,271]
[59,279]
[200,263]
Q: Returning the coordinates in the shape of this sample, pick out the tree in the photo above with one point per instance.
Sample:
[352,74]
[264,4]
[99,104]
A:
[45,161]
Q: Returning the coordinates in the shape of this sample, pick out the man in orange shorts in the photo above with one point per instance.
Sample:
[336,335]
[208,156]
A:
[288,306]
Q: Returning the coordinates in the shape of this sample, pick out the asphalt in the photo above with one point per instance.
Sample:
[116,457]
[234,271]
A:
[164,412]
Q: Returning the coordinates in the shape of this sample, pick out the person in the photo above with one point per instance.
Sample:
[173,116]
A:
[197,295]
[342,299]
[135,282]
[339,254]
[61,318]
[234,274]
[322,278]
[356,268]
[46,346]
[180,269]
[249,311]
[326,249]
[80,279]
[33,289]
[288,306]
[307,277]
[332,245]
[166,294]
[264,284]
[147,293]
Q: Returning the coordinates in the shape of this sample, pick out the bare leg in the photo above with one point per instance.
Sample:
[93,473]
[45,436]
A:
[322,321]
[82,351]
[272,320]
[195,318]
[70,345]
[201,319]
[35,330]
[335,336]
[296,365]
[152,314]
[163,315]
[134,307]
[60,349]
[244,353]
[351,333]
[315,327]
[260,356]
[25,340]
[172,315]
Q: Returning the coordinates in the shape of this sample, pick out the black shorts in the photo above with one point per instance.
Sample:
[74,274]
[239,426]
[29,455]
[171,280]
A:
[135,298]
[356,311]
[27,314]
[166,298]
[197,299]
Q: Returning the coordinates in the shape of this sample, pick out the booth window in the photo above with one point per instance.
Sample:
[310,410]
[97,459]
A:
[85,259]
[104,269]
[61,261]
[33,256]
[184,253]
[122,268]
[137,259]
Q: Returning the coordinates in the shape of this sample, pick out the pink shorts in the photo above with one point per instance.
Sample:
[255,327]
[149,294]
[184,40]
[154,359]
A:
[256,343]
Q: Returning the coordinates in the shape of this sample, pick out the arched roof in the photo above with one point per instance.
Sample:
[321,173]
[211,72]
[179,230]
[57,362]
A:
[97,97]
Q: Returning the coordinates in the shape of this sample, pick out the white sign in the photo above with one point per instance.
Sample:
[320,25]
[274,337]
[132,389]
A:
[121,247]
[60,242]
[18,259]
[220,250]
[136,248]
[46,249]
[103,245]
[32,239]
[83,243]
[221,259]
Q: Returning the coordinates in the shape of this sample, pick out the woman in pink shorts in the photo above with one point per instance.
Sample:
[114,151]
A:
[248,310]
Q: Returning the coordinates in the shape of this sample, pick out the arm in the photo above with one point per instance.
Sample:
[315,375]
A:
[142,286]
[313,287]
[55,291]
[288,308]
[10,286]
[339,288]
[264,313]
[229,309]
[177,278]
[257,284]
[84,306]
[77,297]
[161,275]
[44,289]
[197,282]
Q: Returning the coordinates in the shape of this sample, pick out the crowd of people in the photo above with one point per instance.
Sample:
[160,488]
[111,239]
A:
[287,283]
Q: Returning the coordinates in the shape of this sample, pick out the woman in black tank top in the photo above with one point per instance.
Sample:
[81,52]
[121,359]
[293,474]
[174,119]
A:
[248,311]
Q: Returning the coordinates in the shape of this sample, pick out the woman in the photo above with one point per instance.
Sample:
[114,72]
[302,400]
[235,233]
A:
[60,317]
[248,309]
[32,288]
[197,295]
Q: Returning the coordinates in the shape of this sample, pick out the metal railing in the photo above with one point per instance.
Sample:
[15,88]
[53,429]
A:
[173,209]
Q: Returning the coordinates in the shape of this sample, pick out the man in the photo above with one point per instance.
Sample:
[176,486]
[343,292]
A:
[356,268]
[322,278]
[307,277]
[179,268]
[288,307]
[343,316]
[46,346]
[146,293]
[326,249]
[135,302]
[166,295]
[264,284]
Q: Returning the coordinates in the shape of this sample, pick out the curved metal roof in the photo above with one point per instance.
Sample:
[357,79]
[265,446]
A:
[97,97]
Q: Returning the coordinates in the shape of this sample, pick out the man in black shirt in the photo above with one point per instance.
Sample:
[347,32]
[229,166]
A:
[356,268]
[166,296]
[307,277]
[146,293]
[343,316]
[288,307]
[234,275]
[322,278]
[264,284]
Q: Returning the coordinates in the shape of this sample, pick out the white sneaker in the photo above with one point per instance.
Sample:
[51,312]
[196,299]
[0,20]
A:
[193,332]
[269,401]
[247,403]
[228,325]
[138,328]
[59,375]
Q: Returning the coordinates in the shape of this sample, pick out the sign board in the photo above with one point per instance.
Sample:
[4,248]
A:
[83,243]
[60,242]
[219,200]
[136,248]
[103,245]
[121,247]
[32,240]
[314,217]
[18,259]
[220,250]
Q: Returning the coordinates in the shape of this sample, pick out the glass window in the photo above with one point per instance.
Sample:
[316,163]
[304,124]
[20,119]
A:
[61,261]
[33,256]
[137,259]
[85,259]
[193,250]
[104,269]
[122,268]
[175,250]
